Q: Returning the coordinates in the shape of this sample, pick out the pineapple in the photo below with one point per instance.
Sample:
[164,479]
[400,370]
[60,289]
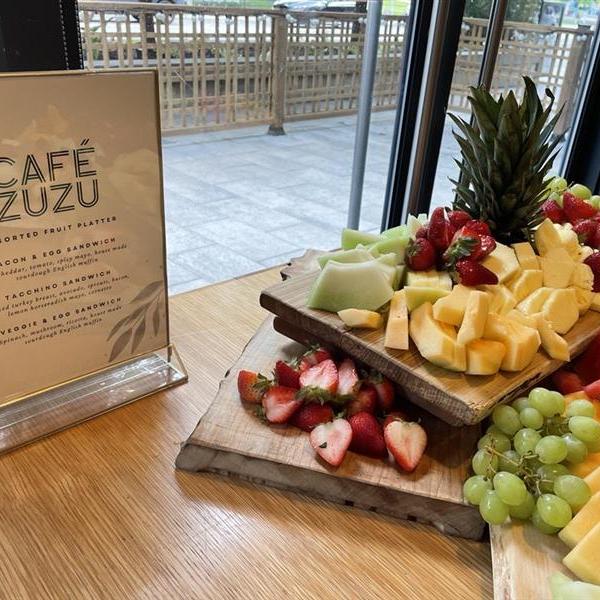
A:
[505,157]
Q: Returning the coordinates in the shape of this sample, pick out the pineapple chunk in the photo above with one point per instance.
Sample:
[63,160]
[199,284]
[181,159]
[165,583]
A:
[555,345]
[522,318]
[484,357]
[451,308]
[584,299]
[502,300]
[583,253]
[359,318]
[526,283]
[595,302]
[396,331]
[534,302]
[546,237]
[476,312]
[521,342]
[503,262]
[593,481]
[569,241]
[526,256]
[584,559]
[582,522]
[430,279]
[583,277]
[558,268]
[436,341]
[561,310]
[416,295]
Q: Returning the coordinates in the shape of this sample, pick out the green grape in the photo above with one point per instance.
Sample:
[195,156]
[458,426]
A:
[494,429]
[484,463]
[509,461]
[511,490]
[533,463]
[523,510]
[498,441]
[541,525]
[507,419]
[573,490]
[548,473]
[585,428]
[577,451]
[593,446]
[492,509]
[531,418]
[554,510]
[547,402]
[520,403]
[581,408]
[552,449]
[526,440]
[475,487]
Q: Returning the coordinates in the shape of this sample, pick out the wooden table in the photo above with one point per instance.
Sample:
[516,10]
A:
[99,511]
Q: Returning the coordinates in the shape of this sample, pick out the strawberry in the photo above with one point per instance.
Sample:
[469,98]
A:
[586,232]
[439,229]
[566,382]
[385,391]
[591,389]
[458,218]
[319,382]
[472,273]
[396,415]
[280,403]
[593,261]
[365,401]
[308,416]
[331,440]
[465,244]
[553,211]
[577,209]
[479,227]
[286,375]
[487,244]
[347,378]
[420,255]
[406,442]
[587,366]
[313,357]
[367,435]
[421,233]
[252,386]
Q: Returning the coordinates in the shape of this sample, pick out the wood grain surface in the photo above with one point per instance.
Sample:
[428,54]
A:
[454,397]
[232,441]
[99,511]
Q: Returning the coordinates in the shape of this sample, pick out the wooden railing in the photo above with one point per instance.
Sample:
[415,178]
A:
[226,67]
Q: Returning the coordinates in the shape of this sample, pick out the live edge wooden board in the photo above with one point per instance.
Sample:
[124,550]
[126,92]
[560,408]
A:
[456,398]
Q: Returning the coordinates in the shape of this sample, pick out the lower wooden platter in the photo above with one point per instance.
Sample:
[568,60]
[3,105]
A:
[232,441]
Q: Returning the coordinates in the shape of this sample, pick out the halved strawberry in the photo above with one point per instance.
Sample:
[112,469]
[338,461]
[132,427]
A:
[472,273]
[286,375]
[577,209]
[347,378]
[406,442]
[280,403]
[396,415]
[566,382]
[331,440]
[313,356]
[365,401]
[458,218]
[319,382]
[553,211]
[310,415]
[367,435]
[252,386]
[385,391]
[439,229]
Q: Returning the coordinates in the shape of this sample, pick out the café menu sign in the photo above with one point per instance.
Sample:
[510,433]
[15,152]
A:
[82,255]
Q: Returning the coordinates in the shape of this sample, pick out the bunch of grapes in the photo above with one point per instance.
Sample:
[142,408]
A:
[521,462]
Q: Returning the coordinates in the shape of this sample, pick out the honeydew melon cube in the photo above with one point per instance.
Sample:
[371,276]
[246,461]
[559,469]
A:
[526,255]
[522,343]
[584,559]
[413,225]
[445,281]
[555,345]
[584,299]
[388,259]
[345,256]
[563,588]
[534,302]
[395,245]
[436,341]
[595,305]
[352,237]
[351,285]
[546,237]
[503,262]
[525,283]
[522,318]
[582,523]
[429,278]
[415,296]
[583,277]
[561,310]
[558,267]
[451,308]
[476,312]
[396,331]
[484,357]
[359,318]
[502,299]
[401,231]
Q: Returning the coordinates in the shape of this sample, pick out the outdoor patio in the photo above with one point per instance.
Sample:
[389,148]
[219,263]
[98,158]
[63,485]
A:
[238,201]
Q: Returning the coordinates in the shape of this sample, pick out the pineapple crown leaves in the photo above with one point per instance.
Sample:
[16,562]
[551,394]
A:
[506,156]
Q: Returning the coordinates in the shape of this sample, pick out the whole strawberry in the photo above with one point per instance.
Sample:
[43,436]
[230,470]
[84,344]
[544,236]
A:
[586,231]
[593,261]
[365,401]
[553,211]
[577,209]
[472,273]
[310,415]
[458,218]
[367,435]
[479,227]
[386,394]
[252,386]
[312,357]
[420,255]
[439,229]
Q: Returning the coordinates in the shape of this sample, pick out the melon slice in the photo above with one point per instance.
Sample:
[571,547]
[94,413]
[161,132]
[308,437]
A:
[593,480]
[415,296]
[432,279]
[476,312]
[564,588]
[526,256]
[589,465]
[346,256]
[503,262]
[582,522]
[555,345]
[484,357]
[561,310]
[352,238]
[451,308]
[350,285]
[396,331]
[394,245]
[546,237]
[358,318]
[584,559]
[401,231]
[526,283]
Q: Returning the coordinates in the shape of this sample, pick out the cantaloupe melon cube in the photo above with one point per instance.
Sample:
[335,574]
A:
[484,357]
[361,319]
[583,469]
[396,331]
[526,256]
[502,300]
[476,312]
[561,310]
[558,268]
[451,308]
[583,277]
[521,342]
[555,345]
[582,522]
[436,341]
[584,559]
[546,237]
[593,480]
[595,305]
[535,302]
[526,283]
[503,262]
[415,296]
[584,299]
